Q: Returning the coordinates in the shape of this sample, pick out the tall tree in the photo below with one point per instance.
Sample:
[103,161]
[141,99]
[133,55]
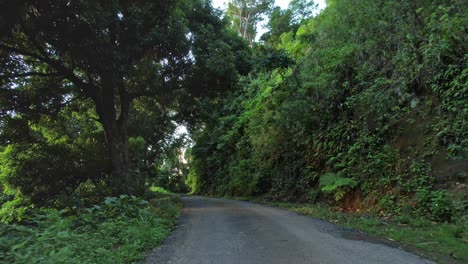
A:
[245,14]
[111,52]
[287,20]
[301,9]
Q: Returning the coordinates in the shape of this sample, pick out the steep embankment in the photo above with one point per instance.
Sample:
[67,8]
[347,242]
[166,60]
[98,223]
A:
[363,108]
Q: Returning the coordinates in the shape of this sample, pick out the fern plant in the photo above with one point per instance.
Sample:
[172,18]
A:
[335,184]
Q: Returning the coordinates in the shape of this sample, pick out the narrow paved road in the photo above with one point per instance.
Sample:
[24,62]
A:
[220,231]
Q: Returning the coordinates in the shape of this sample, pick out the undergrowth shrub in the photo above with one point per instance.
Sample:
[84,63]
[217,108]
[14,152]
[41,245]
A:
[118,230]
[336,185]
[440,206]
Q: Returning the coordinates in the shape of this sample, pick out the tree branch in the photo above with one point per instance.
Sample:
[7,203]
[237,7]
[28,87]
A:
[21,52]
[29,74]
[61,70]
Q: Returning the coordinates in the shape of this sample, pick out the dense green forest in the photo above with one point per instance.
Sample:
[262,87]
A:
[361,107]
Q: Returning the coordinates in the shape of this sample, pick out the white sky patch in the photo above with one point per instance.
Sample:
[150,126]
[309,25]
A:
[120,15]
[181,130]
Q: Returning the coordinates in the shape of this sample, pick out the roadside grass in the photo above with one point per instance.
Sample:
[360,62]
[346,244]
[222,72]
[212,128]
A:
[119,230]
[441,242]
[159,190]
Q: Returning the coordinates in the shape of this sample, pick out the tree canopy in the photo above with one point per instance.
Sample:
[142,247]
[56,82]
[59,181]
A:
[107,56]
[246,14]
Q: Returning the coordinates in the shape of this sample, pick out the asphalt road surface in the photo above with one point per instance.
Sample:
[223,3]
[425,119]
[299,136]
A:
[220,231]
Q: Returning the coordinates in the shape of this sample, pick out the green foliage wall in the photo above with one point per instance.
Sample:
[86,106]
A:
[364,73]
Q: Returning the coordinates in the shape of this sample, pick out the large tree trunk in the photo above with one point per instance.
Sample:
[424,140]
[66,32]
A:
[117,137]
[122,180]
